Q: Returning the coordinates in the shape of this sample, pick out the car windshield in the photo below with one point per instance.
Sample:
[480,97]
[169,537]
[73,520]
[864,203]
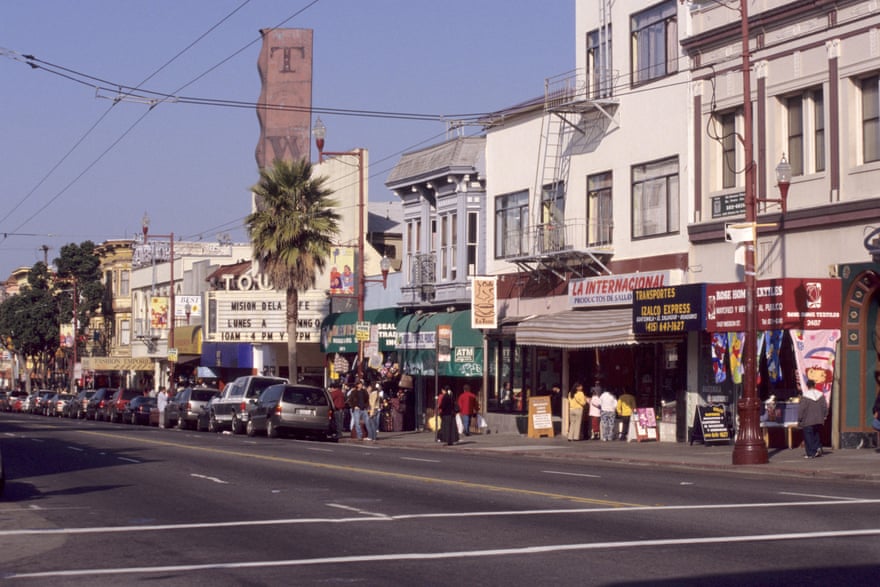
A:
[203,395]
[308,397]
[259,385]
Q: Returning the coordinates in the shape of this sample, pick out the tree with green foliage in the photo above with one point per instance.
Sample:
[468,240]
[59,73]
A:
[78,273]
[29,324]
[292,231]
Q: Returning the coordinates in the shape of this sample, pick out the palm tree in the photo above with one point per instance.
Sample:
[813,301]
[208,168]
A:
[292,231]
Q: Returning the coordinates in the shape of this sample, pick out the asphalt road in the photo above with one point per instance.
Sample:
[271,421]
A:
[98,503]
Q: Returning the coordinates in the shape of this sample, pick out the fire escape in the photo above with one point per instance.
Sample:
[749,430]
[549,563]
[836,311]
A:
[579,110]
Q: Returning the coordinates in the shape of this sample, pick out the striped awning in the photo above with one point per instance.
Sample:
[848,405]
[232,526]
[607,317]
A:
[578,329]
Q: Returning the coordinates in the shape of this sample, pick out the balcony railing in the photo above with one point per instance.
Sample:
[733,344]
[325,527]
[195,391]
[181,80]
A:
[547,239]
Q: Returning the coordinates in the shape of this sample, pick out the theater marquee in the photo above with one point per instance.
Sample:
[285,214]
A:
[261,317]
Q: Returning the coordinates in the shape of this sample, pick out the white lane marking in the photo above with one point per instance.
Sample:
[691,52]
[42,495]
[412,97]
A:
[570,474]
[817,495]
[357,510]
[214,479]
[76,448]
[517,448]
[383,518]
[128,460]
[421,556]
[37,440]
[319,449]
[419,460]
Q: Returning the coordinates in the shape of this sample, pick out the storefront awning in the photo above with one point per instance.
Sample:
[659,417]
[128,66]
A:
[117,364]
[235,355]
[338,330]
[417,344]
[188,339]
[578,329]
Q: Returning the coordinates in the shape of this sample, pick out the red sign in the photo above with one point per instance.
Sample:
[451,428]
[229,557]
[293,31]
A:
[788,302]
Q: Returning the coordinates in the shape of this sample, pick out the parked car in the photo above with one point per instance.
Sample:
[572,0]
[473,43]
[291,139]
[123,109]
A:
[56,405]
[41,398]
[13,401]
[76,408]
[137,411]
[187,409]
[230,410]
[114,408]
[26,403]
[95,407]
[293,409]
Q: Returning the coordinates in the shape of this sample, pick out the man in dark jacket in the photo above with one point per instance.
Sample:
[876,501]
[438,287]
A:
[358,403]
[812,410]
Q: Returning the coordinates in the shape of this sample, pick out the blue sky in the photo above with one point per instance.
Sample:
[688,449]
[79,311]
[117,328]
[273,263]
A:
[190,166]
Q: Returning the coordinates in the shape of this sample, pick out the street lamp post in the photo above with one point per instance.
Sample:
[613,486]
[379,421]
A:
[320,133]
[749,448]
[145,227]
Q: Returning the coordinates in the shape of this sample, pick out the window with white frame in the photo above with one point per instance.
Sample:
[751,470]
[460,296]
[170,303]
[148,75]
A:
[124,332]
[413,248]
[444,247]
[805,131]
[655,198]
[472,242]
[448,240]
[599,63]
[511,224]
[600,218]
[728,140]
[124,283]
[553,217]
[725,130]
[870,118]
[654,38]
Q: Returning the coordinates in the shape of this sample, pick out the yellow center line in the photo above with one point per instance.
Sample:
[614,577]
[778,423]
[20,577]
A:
[375,473]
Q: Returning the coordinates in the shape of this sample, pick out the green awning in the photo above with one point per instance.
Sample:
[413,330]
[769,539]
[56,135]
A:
[417,345]
[338,330]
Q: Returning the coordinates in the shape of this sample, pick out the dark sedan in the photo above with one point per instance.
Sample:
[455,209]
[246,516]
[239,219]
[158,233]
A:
[137,411]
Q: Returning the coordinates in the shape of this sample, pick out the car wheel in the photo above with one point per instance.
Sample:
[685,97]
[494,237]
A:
[251,431]
[213,425]
[236,425]
[271,429]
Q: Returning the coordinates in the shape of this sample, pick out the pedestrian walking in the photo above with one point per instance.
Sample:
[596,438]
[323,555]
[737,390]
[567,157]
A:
[358,402]
[812,411]
[607,414]
[626,407]
[595,411]
[577,400]
[446,409]
[338,399]
[161,404]
[374,412]
[468,407]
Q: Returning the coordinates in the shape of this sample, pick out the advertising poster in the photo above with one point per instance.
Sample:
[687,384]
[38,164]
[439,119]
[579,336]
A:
[159,312]
[342,271]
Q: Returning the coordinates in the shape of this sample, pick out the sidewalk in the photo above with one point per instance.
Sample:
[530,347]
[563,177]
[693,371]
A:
[861,464]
